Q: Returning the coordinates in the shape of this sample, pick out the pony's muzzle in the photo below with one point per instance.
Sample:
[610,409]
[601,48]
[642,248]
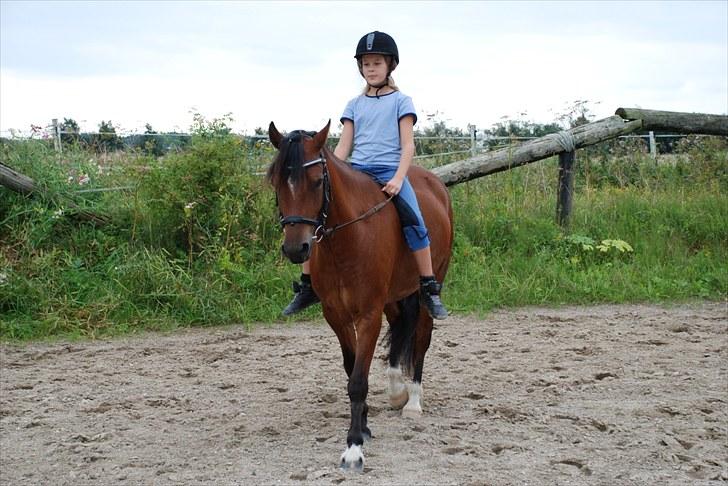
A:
[297,253]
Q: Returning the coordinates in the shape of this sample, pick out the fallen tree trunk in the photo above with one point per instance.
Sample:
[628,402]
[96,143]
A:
[671,121]
[17,182]
[541,148]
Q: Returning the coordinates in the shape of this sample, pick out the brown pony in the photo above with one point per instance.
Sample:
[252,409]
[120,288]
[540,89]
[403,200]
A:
[361,266]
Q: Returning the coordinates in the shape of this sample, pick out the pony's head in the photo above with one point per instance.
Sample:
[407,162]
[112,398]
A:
[298,176]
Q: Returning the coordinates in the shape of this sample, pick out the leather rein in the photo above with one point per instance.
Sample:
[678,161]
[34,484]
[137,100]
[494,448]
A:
[321,230]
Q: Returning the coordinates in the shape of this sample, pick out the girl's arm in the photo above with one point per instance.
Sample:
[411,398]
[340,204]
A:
[343,148]
[407,143]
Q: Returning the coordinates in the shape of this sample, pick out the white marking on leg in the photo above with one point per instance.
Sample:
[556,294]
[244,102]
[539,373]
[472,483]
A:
[352,458]
[413,407]
[397,390]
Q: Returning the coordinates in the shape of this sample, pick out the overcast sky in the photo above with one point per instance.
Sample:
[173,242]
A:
[292,62]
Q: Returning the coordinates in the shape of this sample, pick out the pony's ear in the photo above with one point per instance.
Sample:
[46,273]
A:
[320,138]
[274,135]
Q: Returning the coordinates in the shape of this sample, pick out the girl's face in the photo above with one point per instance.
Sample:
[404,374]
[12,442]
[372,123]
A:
[374,67]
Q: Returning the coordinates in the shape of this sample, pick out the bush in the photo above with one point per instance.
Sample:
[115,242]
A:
[193,237]
[207,197]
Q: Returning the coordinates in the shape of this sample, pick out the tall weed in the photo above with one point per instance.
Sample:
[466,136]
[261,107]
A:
[193,236]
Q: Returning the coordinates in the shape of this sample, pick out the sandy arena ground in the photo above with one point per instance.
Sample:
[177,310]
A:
[612,395]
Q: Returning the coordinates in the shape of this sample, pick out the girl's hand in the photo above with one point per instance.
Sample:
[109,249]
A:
[393,186]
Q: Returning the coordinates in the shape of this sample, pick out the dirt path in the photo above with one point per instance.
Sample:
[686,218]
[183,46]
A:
[587,395]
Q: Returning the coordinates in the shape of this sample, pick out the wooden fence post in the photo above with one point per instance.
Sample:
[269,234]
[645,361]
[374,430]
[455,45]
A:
[566,187]
[473,137]
[653,145]
[57,136]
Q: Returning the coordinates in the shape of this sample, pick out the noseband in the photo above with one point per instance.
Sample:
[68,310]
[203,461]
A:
[321,231]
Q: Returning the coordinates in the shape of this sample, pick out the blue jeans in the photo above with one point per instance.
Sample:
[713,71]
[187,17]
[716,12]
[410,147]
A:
[413,226]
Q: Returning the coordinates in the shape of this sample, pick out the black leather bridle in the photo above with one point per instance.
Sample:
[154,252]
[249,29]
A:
[320,221]
[321,231]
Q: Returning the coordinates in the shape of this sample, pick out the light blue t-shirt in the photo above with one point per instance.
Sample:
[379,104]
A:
[376,127]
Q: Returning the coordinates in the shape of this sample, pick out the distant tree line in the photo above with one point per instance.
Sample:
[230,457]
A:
[150,142]
[435,138]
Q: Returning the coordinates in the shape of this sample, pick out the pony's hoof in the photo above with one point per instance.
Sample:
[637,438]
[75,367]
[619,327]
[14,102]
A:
[399,400]
[412,411]
[352,459]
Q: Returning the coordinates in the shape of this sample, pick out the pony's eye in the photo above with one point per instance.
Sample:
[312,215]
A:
[318,183]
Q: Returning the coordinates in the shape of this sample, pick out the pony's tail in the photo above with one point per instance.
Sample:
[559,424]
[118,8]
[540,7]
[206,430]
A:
[402,334]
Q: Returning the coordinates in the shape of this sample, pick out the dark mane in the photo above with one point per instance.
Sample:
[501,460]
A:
[289,162]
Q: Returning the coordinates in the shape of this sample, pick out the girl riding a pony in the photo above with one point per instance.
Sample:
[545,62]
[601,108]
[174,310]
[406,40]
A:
[379,126]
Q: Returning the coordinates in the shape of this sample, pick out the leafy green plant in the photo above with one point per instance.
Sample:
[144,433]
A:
[206,197]
[193,236]
[583,249]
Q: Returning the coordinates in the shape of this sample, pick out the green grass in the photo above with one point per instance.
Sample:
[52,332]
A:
[510,252]
[195,242]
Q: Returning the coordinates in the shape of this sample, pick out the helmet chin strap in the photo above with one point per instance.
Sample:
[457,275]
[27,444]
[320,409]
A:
[390,68]
[378,87]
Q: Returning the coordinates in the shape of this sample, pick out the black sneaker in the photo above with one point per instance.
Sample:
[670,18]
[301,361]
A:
[430,296]
[305,297]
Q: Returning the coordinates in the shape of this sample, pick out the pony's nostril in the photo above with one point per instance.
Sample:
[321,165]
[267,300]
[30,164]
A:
[305,248]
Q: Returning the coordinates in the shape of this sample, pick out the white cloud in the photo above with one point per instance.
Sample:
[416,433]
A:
[473,63]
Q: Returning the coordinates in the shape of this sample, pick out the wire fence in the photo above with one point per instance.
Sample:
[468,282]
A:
[477,141]
[431,150]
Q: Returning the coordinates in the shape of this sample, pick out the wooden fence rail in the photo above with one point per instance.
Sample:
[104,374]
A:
[564,144]
[16,181]
[23,184]
[535,150]
[672,121]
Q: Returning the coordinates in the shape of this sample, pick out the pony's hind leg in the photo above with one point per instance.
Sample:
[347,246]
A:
[413,407]
[402,318]
[397,390]
[423,335]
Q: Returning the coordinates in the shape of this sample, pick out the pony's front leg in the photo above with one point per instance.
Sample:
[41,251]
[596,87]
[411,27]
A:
[353,456]
[358,388]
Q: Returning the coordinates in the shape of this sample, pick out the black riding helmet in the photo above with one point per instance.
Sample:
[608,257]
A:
[377,43]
